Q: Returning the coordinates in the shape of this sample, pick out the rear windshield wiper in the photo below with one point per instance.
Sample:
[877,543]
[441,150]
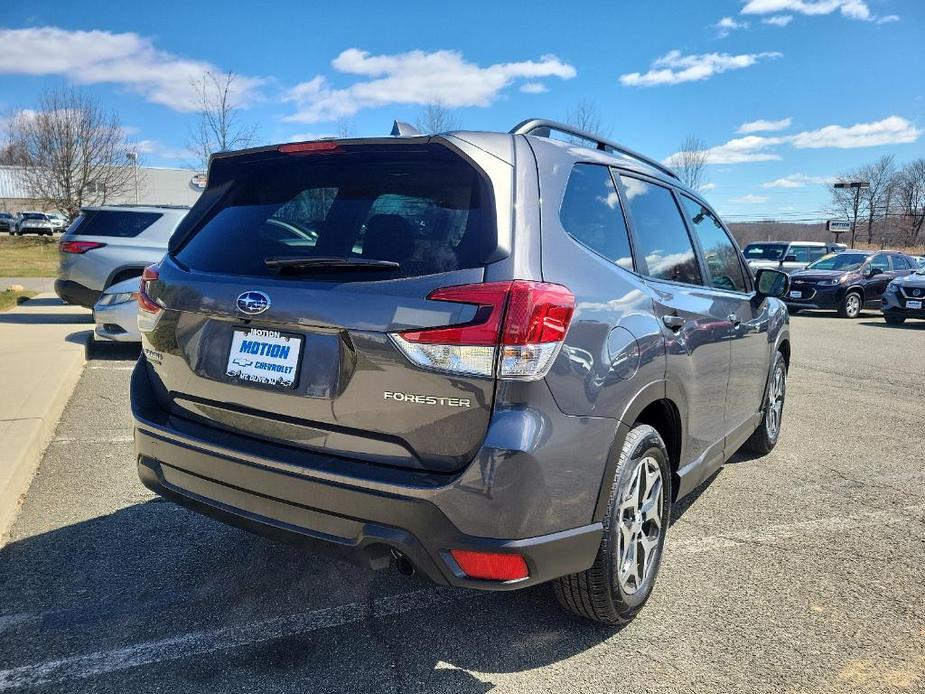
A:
[297,262]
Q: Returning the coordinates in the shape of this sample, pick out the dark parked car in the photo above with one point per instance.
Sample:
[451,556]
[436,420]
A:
[494,399]
[904,298]
[847,282]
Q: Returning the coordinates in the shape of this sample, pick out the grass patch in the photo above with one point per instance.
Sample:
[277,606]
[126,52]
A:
[25,256]
[10,299]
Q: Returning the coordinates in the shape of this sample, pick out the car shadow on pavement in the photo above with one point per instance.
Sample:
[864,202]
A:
[909,324]
[154,572]
[49,301]
[679,508]
[45,318]
[97,350]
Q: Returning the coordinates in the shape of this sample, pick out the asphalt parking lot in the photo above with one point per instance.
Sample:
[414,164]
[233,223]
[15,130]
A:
[800,572]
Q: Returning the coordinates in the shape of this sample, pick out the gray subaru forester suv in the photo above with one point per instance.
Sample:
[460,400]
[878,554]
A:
[496,358]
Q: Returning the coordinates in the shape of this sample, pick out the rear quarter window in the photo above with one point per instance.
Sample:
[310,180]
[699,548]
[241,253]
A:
[113,223]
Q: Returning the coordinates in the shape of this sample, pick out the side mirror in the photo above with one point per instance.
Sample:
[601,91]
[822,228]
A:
[771,283]
[871,271]
[790,259]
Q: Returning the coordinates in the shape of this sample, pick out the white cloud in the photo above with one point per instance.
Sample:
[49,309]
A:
[889,131]
[727,25]
[780,20]
[889,18]
[758,126]
[533,88]
[797,181]
[675,68]
[416,77]
[750,199]
[94,57]
[707,186]
[750,148]
[852,9]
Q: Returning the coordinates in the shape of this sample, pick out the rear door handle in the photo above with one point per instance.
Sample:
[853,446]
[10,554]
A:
[674,322]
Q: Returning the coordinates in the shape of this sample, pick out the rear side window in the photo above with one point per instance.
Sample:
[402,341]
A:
[900,263]
[661,232]
[591,214]
[719,252]
[119,223]
[423,210]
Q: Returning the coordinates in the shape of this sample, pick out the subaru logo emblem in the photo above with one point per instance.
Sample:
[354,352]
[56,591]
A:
[253,302]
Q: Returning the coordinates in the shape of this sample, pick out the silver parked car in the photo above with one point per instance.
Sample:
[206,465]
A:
[116,313]
[33,223]
[787,256]
[106,245]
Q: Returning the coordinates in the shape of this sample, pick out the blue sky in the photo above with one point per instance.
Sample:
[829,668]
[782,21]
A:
[820,86]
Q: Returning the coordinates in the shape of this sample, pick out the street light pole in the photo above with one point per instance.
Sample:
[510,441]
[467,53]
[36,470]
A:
[857,185]
[133,157]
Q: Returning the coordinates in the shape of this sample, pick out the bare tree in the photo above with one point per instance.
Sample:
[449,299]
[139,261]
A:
[690,162]
[72,151]
[849,203]
[910,198]
[436,118]
[880,177]
[220,126]
[345,128]
[586,116]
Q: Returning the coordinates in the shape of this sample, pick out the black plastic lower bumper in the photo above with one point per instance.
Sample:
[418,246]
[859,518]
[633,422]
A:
[283,503]
[71,292]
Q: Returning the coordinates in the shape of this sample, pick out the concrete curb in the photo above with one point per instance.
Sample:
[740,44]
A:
[42,356]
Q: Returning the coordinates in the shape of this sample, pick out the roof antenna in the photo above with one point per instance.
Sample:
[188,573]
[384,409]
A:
[402,129]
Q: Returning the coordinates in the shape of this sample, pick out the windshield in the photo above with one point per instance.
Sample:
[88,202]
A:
[32,215]
[765,251]
[842,261]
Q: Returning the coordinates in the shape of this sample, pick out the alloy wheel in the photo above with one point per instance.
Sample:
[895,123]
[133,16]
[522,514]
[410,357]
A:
[640,526]
[776,401]
[852,305]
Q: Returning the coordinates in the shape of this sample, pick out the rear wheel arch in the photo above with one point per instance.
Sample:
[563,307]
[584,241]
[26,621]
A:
[661,413]
[123,273]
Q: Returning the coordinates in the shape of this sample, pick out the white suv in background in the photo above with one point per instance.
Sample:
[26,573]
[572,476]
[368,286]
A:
[787,256]
[107,245]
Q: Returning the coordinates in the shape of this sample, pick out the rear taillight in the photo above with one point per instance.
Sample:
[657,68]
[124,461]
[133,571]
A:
[78,247]
[145,302]
[491,566]
[516,332]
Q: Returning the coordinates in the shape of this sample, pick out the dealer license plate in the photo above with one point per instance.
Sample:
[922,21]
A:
[264,356]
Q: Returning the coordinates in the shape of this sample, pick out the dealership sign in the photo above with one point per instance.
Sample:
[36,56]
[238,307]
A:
[198,181]
[835,225]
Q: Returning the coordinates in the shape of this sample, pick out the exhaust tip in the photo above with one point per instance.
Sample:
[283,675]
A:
[403,564]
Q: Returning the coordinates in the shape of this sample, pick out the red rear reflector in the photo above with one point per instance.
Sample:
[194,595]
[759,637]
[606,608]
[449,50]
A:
[306,147]
[78,246]
[537,312]
[491,566]
[145,302]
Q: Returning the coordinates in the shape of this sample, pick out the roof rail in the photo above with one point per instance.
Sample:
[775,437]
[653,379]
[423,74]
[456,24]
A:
[541,128]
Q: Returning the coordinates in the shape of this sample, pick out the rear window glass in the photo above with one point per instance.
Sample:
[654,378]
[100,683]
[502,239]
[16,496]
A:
[421,210]
[119,223]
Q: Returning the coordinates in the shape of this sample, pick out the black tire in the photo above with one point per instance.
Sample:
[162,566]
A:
[597,593]
[765,437]
[894,320]
[851,305]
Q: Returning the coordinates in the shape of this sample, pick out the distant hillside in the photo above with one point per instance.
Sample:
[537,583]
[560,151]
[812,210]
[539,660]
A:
[748,232]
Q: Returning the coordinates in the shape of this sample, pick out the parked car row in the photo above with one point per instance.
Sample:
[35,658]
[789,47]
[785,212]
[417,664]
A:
[788,256]
[40,223]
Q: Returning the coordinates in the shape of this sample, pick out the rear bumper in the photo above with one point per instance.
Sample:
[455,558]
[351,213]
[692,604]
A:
[215,477]
[117,322]
[71,292]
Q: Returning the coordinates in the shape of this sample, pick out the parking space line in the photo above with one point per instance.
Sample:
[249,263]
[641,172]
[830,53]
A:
[789,530]
[204,642]
[106,367]
[93,439]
